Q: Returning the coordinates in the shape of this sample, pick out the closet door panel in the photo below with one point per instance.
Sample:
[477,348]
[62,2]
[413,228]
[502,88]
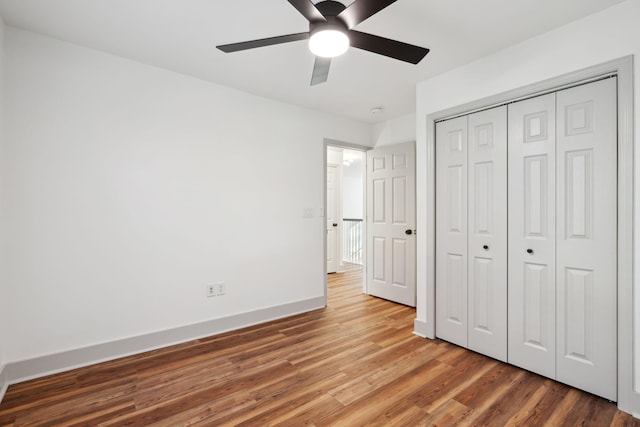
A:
[487,232]
[451,230]
[531,241]
[586,237]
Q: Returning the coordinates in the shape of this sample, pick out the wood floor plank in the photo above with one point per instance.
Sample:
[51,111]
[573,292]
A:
[208,414]
[88,406]
[300,401]
[569,400]
[620,419]
[355,388]
[450,413]
[519,390]
[489,398]
[356,362]
[402,413]
[523,415]
[448,384]
[592,410]
[496,378]
[32,405]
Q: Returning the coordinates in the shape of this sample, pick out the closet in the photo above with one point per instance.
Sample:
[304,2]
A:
[526,213]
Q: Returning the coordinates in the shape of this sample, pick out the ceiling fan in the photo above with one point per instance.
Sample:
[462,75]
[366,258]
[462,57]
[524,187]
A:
[331,33]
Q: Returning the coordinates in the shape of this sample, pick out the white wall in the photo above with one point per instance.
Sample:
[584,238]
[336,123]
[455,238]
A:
[610,34]
[130,188]
[4,292]
[395,131]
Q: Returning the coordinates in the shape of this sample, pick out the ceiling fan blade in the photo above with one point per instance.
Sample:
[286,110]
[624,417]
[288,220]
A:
[360,10]
[387,47]
[235,47]
[308,10]
[320,70]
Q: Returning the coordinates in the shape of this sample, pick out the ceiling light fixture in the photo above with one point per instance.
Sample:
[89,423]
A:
[328,41]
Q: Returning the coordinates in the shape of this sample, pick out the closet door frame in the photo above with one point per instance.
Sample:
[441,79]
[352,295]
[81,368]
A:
[628,398]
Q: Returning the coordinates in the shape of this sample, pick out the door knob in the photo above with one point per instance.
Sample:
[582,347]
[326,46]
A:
[485,247]
[335,224]
[408,232]
[529,251]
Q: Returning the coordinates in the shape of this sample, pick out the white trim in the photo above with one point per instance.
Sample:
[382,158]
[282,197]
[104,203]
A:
[628,397]
[364,221]
[338,228]
[24,370]
[420,328]
[533,95]
[4,382]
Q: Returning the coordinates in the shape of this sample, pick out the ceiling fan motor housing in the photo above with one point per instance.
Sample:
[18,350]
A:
[330,10]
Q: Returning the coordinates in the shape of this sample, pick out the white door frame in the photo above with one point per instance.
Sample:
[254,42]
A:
[628,397]
[337,230]
[346,145]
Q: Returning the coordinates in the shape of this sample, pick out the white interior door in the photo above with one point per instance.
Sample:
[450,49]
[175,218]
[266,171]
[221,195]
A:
[487,232]
[532,221]
[332,218]
[451,230]
[391,246]
[586,237]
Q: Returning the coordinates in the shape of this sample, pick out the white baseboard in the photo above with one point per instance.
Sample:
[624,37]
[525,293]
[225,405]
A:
[23,370]
[4,382]
[420,329]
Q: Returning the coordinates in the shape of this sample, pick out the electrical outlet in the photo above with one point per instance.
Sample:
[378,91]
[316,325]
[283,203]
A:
[211,291]
[221,288]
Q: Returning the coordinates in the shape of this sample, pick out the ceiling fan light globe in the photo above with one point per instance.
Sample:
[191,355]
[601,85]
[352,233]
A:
[328,43]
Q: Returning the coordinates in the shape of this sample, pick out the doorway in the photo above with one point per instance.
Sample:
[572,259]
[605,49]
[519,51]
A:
[345,168]
[369,222]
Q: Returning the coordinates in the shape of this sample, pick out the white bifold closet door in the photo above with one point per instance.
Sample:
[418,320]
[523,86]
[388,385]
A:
[532,234]
[562,236]
[586,267]
[471,233]
[451,230]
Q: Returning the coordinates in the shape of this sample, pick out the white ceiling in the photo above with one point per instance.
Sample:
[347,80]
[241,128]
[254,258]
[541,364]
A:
[181,35]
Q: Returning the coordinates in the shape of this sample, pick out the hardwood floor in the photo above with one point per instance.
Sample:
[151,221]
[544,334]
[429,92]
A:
[353,363]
